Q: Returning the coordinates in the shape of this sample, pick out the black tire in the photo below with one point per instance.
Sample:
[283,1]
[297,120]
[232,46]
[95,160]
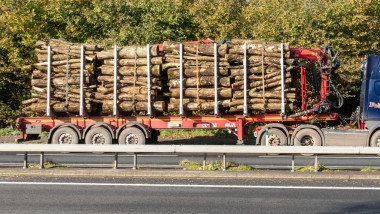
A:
[154,137]
[307,137]
[375,139]
[98,135]
[276,137]
[65,135]
[132,135]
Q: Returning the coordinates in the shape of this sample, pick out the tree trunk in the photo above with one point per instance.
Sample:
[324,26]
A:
[202,81]
[204,93]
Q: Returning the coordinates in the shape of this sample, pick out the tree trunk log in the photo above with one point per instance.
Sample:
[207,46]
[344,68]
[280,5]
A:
[204,93]
[202,81]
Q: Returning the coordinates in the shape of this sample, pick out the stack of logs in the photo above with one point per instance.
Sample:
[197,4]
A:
[65,78]
[198,76]
[263,77]
[132,80]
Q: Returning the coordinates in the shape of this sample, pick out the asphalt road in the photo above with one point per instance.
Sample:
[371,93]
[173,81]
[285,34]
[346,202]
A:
[97,195]
[172,160]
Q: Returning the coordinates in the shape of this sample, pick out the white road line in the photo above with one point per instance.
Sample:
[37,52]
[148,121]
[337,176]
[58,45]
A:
[191,186]
[91,155]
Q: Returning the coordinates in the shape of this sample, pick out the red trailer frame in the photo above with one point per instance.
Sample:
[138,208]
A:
[236,123]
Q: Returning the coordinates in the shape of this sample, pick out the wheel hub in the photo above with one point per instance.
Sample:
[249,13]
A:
[307,141]
[65,139]
[98,139]
[132,139]
[274,140]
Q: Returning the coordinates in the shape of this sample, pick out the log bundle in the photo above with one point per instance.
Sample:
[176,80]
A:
[65,78]
[198,76]
[132,80]
[263,76]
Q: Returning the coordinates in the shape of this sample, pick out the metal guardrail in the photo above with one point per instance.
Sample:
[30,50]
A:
[203,149]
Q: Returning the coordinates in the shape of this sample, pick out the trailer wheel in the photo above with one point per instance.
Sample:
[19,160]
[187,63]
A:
[131,135]
[276,137]
[307,137]
[375,139]
[98,135]
[65,135]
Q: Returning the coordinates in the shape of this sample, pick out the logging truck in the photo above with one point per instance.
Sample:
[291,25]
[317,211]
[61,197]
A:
[282,129]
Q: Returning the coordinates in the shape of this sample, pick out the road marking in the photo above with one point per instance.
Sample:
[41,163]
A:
[191,186]
[93,155]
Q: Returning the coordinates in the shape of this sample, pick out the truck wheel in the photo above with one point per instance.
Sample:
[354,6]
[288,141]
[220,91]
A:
[276,137]
[307,137]
[98,135]
[132,135]
[65,135]
[375,139]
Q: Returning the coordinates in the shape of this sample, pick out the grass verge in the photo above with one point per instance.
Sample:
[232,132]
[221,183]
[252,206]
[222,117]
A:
[308,168]
[47,165]
[369,169]
[214,166]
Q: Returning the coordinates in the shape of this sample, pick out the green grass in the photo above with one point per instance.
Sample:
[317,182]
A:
[369,169]
[9,131]
[179,133]
[47,165]
[214,166]
[44,134]
[308,168]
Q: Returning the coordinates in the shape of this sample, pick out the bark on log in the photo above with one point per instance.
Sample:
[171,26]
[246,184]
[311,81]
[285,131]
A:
[129,52]
[137,62]
[268,46]
[203,49]
[258,59]
[268,107]
[204,93]
[259,100]
[202,82]
[206,106]
[192,63]
[268,94]
[129,71]
[191,71]
[58,107]
[127,106]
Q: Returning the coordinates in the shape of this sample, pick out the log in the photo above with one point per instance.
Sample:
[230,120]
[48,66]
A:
[202,81]
[127,106]
[194,106]
[260,100]
[268,46]
[204,93]
[259,52]
[274,81]
[29,101]
[203,49]
[192,63]
[191,71]
[137,62]
[129,52]
[122,96]
[58,107]
[258,59]
[268,107]
[268,94]
[129,71]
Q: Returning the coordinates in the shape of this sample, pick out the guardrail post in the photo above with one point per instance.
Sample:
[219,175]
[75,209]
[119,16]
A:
[224,161]
[115,161]
[25,160]
[134,161]
[316,163]
[42,157]
[204,161]
[292,163]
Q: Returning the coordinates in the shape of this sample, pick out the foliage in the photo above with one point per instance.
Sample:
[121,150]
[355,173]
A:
[180,133]
[9,131]
[47,165]
[349,25]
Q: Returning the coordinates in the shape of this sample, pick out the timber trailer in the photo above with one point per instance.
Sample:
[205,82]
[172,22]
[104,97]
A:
[281,129]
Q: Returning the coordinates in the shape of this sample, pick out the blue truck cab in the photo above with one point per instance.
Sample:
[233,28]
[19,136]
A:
[369,110]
